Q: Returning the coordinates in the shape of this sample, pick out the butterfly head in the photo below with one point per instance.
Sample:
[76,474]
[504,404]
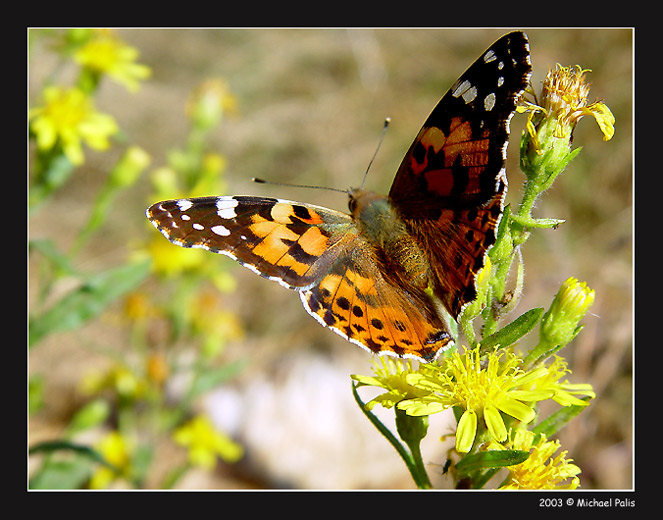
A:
[361,200]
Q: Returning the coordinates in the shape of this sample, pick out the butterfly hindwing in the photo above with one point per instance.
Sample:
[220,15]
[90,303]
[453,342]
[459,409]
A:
[355,299]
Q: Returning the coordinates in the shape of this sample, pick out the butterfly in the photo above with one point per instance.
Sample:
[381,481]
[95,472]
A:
[388,275]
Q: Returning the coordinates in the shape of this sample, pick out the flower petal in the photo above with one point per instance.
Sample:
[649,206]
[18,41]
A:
[467,430]
[495,423]
[420,406]
[516,409]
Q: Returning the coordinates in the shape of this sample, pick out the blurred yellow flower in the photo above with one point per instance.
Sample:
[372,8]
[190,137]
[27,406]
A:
[138,307]
[129,168]
[205,443]
[119,379]
[209,101]
[106,54]
[168,260]
[217,325]
[116,450]
[68,118]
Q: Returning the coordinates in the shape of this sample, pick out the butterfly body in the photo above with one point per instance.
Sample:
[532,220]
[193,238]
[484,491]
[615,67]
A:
[388,275]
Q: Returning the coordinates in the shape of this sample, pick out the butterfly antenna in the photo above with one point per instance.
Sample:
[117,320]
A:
[384,131]
[258,180]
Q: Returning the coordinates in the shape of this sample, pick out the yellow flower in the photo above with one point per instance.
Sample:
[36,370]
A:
[564,103]
[116,450]
[563,392]
[107,54]
[565,94]
[482,388]
[205,443]
[391,375]
[68,118]
[541,470]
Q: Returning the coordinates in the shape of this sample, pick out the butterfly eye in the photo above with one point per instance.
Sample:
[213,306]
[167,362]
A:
[352,204]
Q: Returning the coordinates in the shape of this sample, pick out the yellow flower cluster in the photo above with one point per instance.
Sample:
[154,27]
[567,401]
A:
[541,470]
[486,390]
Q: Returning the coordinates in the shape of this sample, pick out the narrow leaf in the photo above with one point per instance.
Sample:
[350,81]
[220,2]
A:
[87,301]
[62,445]
[512,332]
[491,459]
[555,422]
[58,259]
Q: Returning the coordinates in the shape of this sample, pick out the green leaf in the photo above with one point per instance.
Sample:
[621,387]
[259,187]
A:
[90,415]
[62,474]
[87,301]
[490,459]
[555,422]
[59,260]
[512,332]
[65,474]
[63,445]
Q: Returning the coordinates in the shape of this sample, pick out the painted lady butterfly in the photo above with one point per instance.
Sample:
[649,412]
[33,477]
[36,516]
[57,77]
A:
[383,276]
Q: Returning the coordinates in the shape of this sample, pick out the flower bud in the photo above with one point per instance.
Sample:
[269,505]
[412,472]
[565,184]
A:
[560,323]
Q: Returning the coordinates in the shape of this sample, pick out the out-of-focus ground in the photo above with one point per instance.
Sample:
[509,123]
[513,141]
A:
[311,103]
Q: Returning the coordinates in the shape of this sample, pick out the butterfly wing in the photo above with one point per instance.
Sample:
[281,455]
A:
[318,252]
[355,300]
[285,241]
[451,185]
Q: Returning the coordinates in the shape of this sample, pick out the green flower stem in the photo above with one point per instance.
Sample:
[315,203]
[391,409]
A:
[412,458]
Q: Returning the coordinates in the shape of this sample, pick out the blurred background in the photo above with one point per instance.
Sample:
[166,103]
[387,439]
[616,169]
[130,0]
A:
[303,106]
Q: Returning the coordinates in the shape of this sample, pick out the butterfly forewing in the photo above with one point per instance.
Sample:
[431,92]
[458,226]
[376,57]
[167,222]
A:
[282,240]
[451,185]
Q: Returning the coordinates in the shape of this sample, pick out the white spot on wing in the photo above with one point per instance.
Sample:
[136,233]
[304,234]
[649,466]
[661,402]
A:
[489,102]
[220,230]
[226,208]
[184,204]
[470,94]
[461,88]
[466,90]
